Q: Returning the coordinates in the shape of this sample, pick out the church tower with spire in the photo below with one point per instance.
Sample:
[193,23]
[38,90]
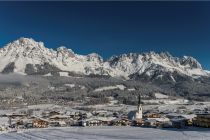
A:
[138,114]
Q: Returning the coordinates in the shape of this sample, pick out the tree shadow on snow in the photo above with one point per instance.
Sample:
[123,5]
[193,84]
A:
[200,129]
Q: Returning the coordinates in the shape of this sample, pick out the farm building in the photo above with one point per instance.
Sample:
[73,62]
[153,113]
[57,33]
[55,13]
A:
[202,120]
[40,123]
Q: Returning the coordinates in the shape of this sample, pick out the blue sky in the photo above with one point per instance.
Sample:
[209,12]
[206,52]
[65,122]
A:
[112,28]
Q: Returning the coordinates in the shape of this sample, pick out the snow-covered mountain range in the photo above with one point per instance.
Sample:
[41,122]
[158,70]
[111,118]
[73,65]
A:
[26,56]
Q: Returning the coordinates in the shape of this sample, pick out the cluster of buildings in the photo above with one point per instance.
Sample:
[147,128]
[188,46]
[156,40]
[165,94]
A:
[103,118]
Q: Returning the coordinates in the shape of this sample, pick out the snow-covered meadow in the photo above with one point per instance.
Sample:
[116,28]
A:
[109,133]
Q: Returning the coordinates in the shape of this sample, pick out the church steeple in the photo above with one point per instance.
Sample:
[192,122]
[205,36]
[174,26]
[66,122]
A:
[139,101]
[139,108]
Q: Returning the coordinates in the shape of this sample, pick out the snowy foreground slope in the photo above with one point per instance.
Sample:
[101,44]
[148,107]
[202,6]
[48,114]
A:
[109,133]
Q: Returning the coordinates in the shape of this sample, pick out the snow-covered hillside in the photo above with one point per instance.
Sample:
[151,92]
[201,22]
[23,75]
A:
[109,133]
[26,56]
[120,87]
[154,64]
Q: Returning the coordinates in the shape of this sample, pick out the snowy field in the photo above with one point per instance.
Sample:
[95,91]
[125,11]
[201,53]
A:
[109,133]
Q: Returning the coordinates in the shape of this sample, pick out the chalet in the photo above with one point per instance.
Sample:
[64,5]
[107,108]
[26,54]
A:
[202,120]
[179,122]
[173,115]
[101,113]
[150,123]
[116,114]
[71,114]
[83,115]
[158,122]
[54,124]
[167,124]
[93,122]
[4,123]
[152,115]
[75,115]
[33,117]
[62,124]
[70,122]
[57,124]
[28,125]
[137,122]
[22,123]
[15,115]
[80,123]
[189,119]
[52,113]
[199,111]
[3,128]
[99,121]
[48,113]
[121,122]
[59,118]
[163,122]
[88,114]
[21,126]
[40,123]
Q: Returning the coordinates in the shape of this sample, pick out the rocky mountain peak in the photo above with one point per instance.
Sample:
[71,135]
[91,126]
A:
[190,62]
[94,57]
[26,53]
[65,52]
[23,47]
[26,43]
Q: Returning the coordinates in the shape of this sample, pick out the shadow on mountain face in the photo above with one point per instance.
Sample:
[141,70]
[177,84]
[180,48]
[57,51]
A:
[198,129]
[11,79]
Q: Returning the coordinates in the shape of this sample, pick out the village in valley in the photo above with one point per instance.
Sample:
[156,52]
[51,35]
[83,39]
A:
[55,116]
